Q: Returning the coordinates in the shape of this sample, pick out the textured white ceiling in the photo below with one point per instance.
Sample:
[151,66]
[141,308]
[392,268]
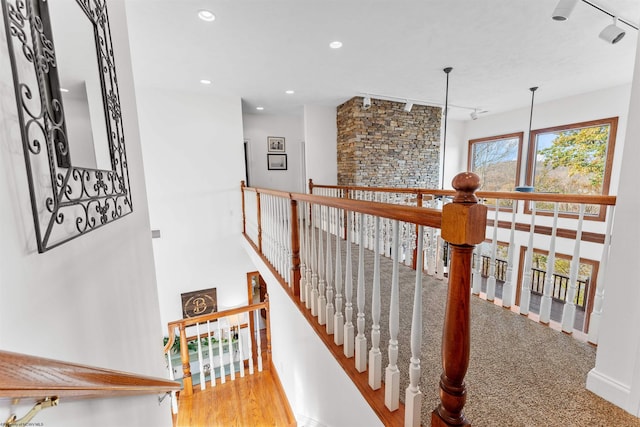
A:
[257,49]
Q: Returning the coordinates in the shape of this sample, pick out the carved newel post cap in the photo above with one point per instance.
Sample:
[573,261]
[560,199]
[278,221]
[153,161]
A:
[466,184]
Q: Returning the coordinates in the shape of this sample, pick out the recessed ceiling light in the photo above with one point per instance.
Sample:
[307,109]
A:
[205,82]
[335,45]
[63,90]
[259,108]
[206,15]
[290,92]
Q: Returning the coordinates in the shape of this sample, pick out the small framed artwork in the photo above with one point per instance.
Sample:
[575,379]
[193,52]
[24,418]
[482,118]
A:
[200,302]
[275,144]
[277,162]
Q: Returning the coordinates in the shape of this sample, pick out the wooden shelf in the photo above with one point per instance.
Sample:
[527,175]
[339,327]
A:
[31,377]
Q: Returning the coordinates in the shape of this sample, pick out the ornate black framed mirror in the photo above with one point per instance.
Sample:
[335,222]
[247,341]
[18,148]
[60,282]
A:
[69,112]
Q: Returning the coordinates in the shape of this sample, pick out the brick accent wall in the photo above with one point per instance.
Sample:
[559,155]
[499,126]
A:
[385,146]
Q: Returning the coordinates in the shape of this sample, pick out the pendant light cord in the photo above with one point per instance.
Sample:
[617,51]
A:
[446,113]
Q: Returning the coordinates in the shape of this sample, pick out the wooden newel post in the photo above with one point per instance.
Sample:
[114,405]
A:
[463,226]
[187,381]
[295,249]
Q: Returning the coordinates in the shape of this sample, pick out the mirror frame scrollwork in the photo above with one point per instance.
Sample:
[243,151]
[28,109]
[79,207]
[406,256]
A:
[67,201]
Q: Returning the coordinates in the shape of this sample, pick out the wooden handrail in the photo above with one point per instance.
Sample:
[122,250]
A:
[33,377]
[508,195]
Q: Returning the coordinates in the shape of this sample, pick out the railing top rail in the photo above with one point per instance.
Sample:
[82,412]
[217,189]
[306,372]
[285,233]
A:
[25,376]
[420,216]
[215,316]
[509,195]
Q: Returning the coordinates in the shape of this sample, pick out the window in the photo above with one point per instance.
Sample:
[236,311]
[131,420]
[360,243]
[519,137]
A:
[572,159]
[496,161]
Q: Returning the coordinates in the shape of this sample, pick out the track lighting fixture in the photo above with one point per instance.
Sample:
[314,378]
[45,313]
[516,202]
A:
[612,33]
[366,103]
[474,114]
[408,106]
[563,10]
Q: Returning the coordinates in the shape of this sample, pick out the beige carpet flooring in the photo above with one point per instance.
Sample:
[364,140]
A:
[521,373]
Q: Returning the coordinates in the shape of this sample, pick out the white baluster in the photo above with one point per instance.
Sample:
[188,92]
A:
[203,381]
[210,347]
[441,247]
[392,374]
[375,356]
[525,295]
[338,317]
[477,271]
[413,395]
[256,314]
[174,399]
[309,233]
[348,288]
[239,343]
[223,375]
[303,251]
[569,309]
[491,281]
[361,339]
[322,297]
[545,304]
[431,252]
[330,310]
[232,366]
[507,287]
[596,314]
[314,263]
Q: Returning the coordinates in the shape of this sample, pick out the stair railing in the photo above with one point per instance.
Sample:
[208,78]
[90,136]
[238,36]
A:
[295,237]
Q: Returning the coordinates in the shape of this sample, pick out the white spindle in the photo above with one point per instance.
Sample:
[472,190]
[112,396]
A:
[477,271]
[210,346]
[232,367]
[361,339]
[239,343]
[392,374]
[413,395]
[174,399]
[375,356]
[525,295]
[338,317]
[330,311]
[441,245]
[569,309]
[348,289]
[431,252]
[303,251]
[256,314]
[250,344]
[594,320]
[314,263]
[545,304]
[507,287]
[491,281]
[309,233]
[322,297]
[223,375]
[203,381]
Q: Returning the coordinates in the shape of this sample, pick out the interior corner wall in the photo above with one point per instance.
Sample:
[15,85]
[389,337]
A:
[194,162]
[92,300]
[320,135]
[257,128]
[385,146]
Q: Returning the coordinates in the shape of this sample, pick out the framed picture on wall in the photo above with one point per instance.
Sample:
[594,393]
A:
[200,302]
[275,144]
[277,162]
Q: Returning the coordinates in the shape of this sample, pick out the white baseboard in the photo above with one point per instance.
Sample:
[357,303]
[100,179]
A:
[609,389]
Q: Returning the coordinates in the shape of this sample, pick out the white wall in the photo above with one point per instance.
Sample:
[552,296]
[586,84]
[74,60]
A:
[92,300]
[257,127]
[616,376]
[194,162]
[321,136]
[318,389]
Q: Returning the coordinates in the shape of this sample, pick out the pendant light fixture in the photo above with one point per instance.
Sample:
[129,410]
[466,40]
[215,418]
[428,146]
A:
[446,113]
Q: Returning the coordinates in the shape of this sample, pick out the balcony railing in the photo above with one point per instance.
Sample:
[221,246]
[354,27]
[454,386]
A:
[308,240]
[570,226]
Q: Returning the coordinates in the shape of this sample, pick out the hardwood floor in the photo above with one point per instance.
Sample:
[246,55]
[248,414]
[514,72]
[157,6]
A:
[255,400]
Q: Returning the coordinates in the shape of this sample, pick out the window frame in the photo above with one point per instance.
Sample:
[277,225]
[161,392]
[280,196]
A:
[518,135]
[606,181]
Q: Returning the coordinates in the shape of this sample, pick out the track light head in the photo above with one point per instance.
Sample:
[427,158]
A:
[474,115]
[408,106]
[612,33]
[366,103]
[563,10]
